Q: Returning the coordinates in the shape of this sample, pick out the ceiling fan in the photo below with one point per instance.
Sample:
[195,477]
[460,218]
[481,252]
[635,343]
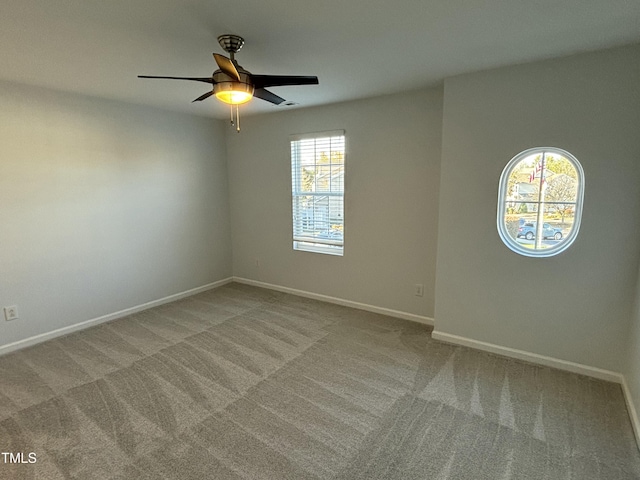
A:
[234,85]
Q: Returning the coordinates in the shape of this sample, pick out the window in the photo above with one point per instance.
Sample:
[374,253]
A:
[540,186]
[317,181]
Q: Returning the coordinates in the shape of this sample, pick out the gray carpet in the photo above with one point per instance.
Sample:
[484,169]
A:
[246,383]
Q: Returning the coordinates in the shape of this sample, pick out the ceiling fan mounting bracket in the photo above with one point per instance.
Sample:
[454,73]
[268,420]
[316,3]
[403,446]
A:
[231,43]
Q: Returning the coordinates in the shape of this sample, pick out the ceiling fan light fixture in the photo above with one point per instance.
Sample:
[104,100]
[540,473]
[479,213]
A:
[233,93]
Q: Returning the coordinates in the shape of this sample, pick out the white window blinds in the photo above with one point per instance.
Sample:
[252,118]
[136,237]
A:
[317,180]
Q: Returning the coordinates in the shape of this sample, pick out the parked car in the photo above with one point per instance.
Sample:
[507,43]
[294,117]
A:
[330,235]
[528,231]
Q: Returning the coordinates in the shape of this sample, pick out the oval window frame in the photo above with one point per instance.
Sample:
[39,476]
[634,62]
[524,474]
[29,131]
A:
[502,200]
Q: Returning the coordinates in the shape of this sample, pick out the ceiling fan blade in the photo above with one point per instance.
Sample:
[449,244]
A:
[227,66]
[260,81]
[195,79]
[268,96]
[203,97]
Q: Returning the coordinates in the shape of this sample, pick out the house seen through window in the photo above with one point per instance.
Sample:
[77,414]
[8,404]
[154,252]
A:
[540,202]
[317,181]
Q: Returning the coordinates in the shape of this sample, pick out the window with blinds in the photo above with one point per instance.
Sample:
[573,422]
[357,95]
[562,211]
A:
[317,181]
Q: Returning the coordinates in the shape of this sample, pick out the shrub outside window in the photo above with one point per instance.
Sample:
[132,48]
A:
[540,186]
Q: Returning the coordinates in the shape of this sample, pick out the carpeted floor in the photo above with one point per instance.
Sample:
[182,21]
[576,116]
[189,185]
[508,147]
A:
[246,383]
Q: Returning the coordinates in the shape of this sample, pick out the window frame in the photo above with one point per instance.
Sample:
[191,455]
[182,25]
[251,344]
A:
[311,244]
[511,243]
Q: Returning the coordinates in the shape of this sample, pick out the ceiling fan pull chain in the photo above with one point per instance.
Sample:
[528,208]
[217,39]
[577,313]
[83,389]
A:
[231,110]
[237,118]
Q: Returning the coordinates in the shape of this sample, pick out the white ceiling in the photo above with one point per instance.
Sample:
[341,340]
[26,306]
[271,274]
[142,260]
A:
[357,48]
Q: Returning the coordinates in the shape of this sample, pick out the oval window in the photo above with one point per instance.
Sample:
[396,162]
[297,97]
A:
[540,187]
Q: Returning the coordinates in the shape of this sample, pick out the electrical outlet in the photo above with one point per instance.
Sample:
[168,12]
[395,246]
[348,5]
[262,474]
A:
[11,313]
[419,290]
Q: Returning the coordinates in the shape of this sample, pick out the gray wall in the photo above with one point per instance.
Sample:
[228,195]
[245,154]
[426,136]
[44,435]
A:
[104,206]
[392,176]
[575,306]
[631,369]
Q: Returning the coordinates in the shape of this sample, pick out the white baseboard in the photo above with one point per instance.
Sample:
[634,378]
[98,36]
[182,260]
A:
[530,357]
[550,362]
[441,336]
[339,301]
[27,342]
[633,413]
